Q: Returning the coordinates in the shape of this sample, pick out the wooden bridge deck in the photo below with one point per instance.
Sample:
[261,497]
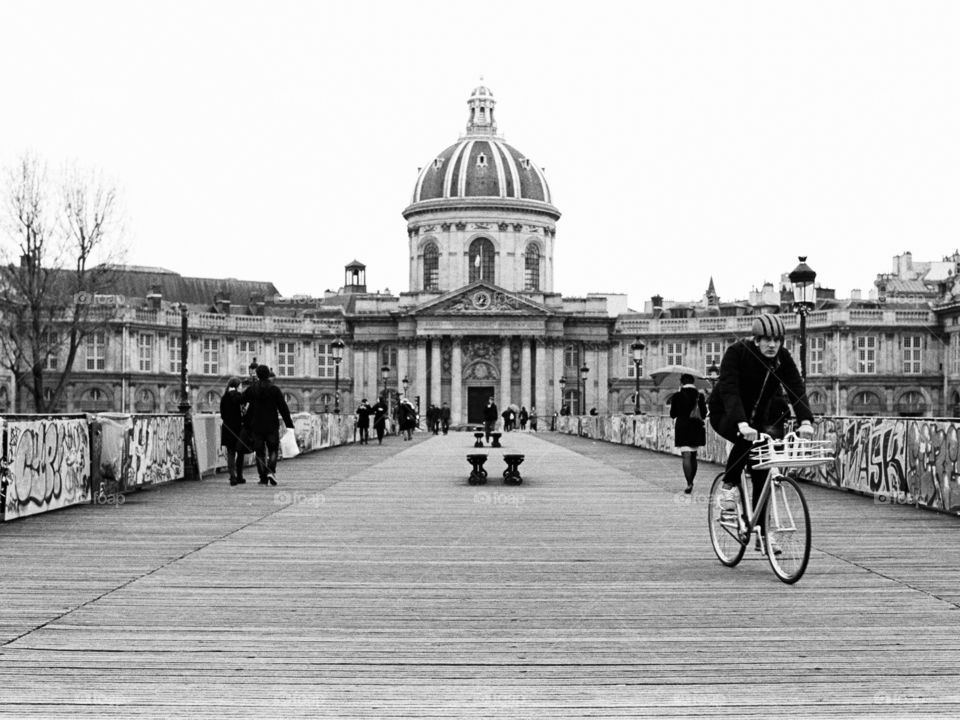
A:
[374,582]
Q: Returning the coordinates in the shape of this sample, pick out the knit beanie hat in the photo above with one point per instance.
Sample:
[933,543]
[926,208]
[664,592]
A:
[768,325]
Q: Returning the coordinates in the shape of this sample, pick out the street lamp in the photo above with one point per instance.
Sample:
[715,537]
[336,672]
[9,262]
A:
[336,348]
[637,350]
[583,400]
[562,382]
[804,300]
[713,374]
[406,384]
[184,405]
[384,374]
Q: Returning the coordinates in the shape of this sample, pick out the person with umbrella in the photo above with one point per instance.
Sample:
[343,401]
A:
[689,408]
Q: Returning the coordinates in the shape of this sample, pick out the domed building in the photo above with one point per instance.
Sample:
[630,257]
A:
[481,317]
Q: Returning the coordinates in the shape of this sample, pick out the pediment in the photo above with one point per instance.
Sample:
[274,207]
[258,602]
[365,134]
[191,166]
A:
[481,299]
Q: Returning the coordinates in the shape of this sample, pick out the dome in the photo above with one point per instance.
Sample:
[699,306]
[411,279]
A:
[481,164]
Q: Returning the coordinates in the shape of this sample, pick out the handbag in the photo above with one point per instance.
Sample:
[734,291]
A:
[695,413]
[288,444]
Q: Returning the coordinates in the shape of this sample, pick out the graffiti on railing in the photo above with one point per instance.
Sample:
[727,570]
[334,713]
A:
[932,455]
[154,450]
[49,466]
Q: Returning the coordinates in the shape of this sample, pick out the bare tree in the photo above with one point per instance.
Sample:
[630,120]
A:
[64,242]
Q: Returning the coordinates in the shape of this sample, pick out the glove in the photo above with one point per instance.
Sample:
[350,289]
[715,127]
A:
[747,432]
[805,430]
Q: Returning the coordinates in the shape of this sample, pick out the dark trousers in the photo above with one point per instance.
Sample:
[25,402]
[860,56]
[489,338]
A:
[380,429]
[737,461]
[234,463]
[364,434]
[267,449]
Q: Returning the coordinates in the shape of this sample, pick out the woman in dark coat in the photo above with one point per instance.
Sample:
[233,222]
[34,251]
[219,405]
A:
[689,407]
[231,415]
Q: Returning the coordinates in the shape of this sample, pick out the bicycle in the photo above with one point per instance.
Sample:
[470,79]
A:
[787,518]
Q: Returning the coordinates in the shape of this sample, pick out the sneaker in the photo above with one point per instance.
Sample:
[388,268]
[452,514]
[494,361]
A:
[271,478]
[759,547]
[728,503]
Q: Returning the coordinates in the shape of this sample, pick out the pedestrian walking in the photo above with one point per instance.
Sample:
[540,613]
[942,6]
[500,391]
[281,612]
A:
[407,418]
[363,421]
[231,430]
[523,417]
[264,401]
[533,418]
[445,418]
[689,408]
[380,412]
[490,417]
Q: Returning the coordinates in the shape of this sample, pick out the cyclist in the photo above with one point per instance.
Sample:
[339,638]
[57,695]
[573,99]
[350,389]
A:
[756,375]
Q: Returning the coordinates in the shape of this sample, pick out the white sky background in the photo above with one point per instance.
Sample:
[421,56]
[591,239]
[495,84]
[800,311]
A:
[681,140]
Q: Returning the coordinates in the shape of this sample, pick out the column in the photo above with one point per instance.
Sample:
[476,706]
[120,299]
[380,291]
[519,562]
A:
[556,350]
[403,364]
[540,363]
[526,381]
[420,384]
[456,383]
[371,357]
[436,371]
[504,398]
[360,387]
[603,375]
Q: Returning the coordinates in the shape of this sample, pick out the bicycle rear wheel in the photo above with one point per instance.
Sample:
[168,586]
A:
[724,533]
[787,529]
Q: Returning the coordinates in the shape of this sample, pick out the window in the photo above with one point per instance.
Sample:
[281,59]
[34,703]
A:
[145,352]
[325,364]
[247,354]
[912,345]
[96,347]
[431,268]
[865,403]
[481,260]
[631,366]
[815,351]
[285,359]
[531,274]
[867,354]
[571,357]
[51,350]
[174,353]
[388,357]
[712,354]
[211,356]
[674,351]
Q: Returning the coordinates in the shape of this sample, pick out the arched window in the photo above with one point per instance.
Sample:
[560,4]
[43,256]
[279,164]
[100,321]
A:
[911,404]
[866,403]
[481,260]
[293,402]
[817,402]
[531,270]
[431,268]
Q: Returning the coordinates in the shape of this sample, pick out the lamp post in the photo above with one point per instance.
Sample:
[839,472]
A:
[406,383]
[804,300]
[384,374]
[583,400]
[184,405]
[637,350]
[562,382]
[713,374]
[337,348]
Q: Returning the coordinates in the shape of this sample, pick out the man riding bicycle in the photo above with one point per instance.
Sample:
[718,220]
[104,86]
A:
[758,381]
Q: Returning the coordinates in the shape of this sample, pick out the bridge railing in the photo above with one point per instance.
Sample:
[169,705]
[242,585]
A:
[909,461]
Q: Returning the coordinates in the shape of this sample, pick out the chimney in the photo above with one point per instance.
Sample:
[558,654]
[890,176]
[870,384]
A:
[656,302]
[259,302]
[222,301]
[155,296]
[857,295]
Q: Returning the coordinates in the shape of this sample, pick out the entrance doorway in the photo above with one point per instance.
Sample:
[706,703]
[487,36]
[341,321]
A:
[476,402]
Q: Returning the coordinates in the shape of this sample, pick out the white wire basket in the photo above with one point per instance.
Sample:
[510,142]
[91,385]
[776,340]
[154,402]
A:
[791,451]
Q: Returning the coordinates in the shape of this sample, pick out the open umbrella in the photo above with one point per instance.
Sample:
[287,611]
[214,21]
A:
[669,377]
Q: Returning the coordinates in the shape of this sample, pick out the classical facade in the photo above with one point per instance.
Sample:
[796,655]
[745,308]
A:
[482,317]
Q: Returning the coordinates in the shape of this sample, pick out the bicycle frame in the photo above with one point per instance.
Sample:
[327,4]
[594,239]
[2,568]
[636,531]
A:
[747,522]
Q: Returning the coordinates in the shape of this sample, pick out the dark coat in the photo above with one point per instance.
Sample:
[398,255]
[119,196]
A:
[688,431]
[406,416]
[264,400]
[231,414]
[379,414]
[740,389]
[490,413]
[363,415]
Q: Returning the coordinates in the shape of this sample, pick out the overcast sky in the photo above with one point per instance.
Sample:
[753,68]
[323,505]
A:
[681,140]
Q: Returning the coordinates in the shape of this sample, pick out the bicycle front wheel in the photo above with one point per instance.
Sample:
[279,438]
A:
[724,531]
[787,529]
